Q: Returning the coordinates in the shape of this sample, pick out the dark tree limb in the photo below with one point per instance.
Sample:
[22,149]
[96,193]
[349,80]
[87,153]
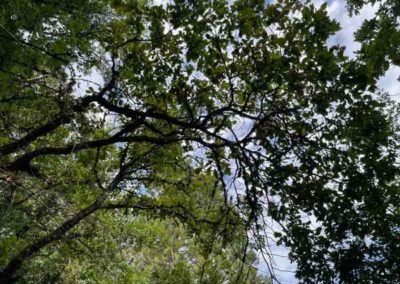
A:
[64,118]
[9,274]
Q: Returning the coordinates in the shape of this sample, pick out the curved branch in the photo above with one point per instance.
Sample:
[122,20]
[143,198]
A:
[23,162]
[52,125]
[8,274]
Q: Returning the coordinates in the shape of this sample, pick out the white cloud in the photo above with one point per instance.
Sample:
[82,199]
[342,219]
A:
[93,79]
[390,83]
[284,270]
[349,25]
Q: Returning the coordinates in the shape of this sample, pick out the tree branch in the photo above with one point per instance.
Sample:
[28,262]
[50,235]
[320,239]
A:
[8,274]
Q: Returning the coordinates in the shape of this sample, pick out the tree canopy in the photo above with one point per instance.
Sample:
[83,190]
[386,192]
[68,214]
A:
[171,143]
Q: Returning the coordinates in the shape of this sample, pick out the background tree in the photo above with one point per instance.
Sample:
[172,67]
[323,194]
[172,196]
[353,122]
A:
[233,118]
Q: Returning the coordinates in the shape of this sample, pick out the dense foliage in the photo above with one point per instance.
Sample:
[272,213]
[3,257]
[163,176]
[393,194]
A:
[211,129]
[379,36]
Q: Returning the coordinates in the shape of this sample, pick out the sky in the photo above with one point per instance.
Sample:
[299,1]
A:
[345,37]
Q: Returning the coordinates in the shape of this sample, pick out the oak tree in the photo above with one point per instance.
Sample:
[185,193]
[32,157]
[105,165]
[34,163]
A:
[236,120]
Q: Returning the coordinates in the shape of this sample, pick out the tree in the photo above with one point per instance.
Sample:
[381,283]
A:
[379,36]
[144,250]
[226,117]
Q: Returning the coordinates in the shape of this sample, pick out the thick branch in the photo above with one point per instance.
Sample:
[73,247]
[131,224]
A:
[52,125]
[8,274]
[41,131]
[23,163]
